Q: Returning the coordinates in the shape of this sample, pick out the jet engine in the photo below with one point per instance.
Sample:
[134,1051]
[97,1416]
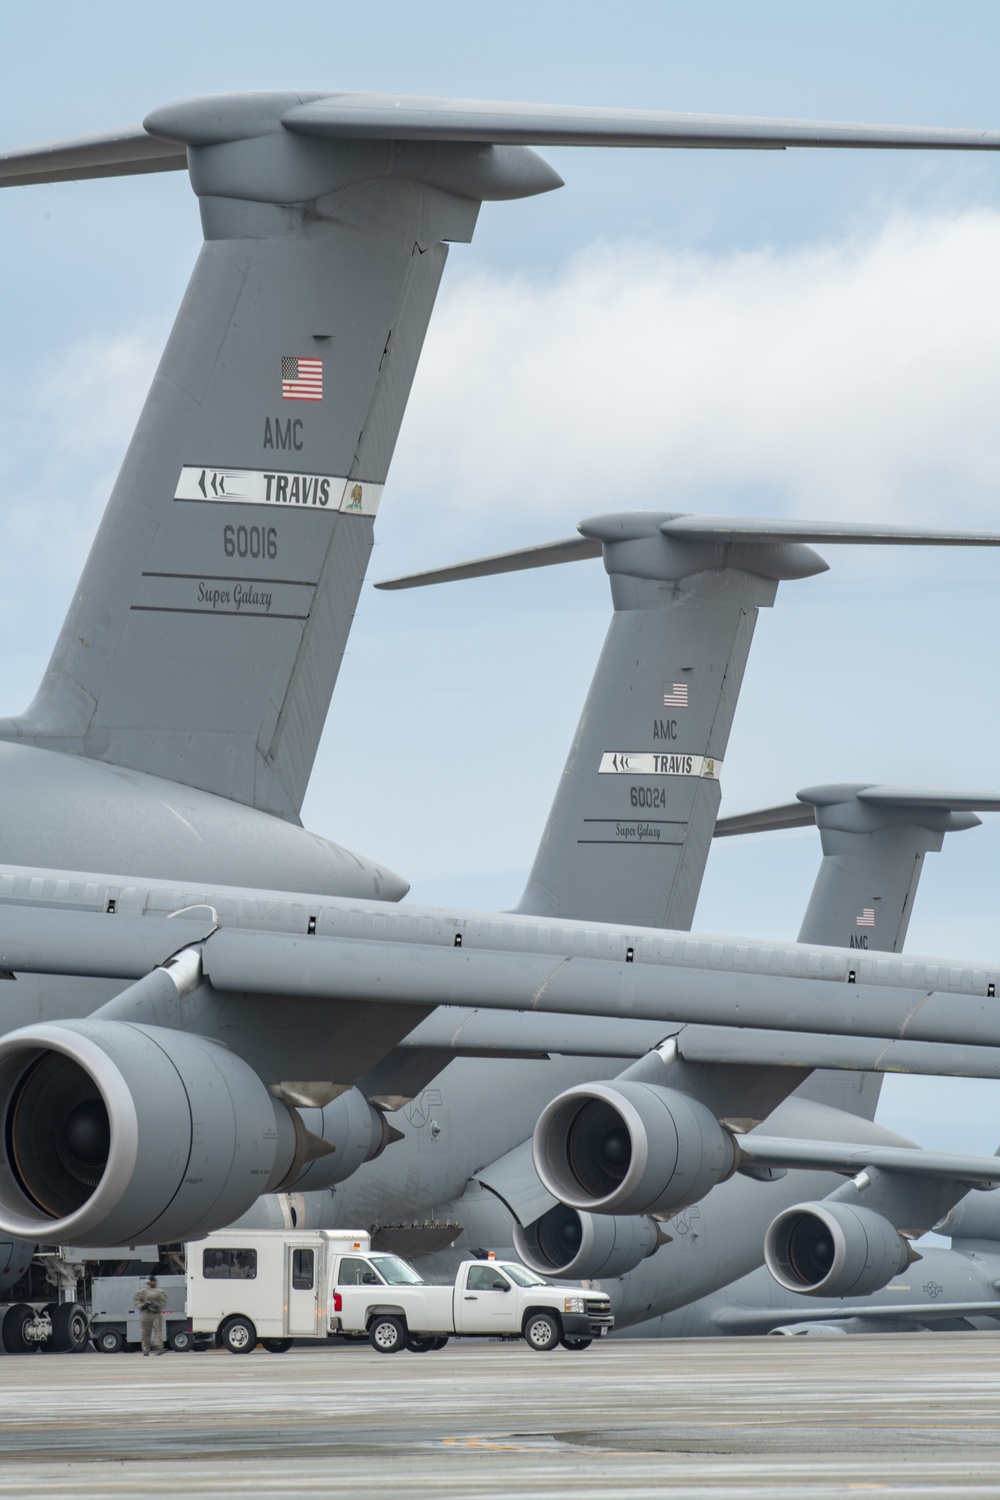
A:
[565,1242]
[115,1134]
[630,1148]
[355,1131]
[834,1250]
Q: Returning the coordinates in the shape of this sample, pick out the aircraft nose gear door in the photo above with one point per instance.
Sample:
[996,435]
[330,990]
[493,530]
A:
[302,1291]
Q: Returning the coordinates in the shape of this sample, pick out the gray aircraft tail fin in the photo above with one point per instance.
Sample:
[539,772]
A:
[629,831]
[874,841]
[632,820]
[204,639]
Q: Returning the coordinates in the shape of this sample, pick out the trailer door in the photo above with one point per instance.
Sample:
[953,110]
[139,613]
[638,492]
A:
[301,1291]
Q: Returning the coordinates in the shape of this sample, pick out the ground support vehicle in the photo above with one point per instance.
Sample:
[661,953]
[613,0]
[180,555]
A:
[384,1297]
[273,1286]
[270,1286]
[114,1318]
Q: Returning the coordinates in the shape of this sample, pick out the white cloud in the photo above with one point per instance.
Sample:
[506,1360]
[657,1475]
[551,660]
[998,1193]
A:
[850,379]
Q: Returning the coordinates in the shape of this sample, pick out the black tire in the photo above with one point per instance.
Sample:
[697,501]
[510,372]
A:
[420,1343]
[239,1335]
[108,1341]
[439,1343]
[541,1331]
[181,1340]
[576,1343]
[277,1346]
[387,1334]
[70,1328]
[14,1322]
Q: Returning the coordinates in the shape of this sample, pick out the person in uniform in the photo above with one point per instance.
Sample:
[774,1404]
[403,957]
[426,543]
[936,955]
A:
[151,1301]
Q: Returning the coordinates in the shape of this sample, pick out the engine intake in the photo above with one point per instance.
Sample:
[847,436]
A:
[630,1148]
[114,1133]
[834,1250]
[567,1242]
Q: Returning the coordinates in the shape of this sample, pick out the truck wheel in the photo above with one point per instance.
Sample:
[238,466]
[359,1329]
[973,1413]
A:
[70,1328]
[541,1331]
[440,1342]
[277,1346]
[420,1343]
[109,1341]
[576,1343]
[387,1334]
[239,1336]
[15,1320]
[181,1340]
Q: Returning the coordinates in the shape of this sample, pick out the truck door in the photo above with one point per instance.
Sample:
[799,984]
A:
[302,1290]
[487,1303]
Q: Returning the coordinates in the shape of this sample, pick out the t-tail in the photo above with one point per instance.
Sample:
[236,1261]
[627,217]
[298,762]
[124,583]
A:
[874,841]
[205,636]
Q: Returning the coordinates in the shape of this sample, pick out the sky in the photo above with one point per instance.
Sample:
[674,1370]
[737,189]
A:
[793,334]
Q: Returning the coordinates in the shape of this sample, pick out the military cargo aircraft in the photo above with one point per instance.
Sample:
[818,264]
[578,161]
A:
[151,792]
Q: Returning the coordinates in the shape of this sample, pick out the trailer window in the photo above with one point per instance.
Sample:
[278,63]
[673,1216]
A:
[302,1270]
[229,1265]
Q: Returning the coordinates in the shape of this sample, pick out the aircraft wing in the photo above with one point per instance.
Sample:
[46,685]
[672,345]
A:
[746,1320]
[836,1156]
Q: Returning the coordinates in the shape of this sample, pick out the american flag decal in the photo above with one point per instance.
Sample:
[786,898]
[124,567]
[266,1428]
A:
[866,916]
[301,379]
[675,695]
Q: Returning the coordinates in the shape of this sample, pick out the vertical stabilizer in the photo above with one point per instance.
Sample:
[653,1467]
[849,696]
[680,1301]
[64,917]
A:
[204,639]
[630,828]
[874,842]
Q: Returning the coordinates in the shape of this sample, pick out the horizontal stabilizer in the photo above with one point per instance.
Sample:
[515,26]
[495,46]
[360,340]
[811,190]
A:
[907,796]
[570,549]
[898,799]
[113,153]
[775,1151]
[767,820]
[398,117]
[393,117]
[851,533]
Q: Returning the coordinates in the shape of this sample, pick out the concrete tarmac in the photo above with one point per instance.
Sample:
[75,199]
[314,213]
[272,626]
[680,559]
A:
[906,1415]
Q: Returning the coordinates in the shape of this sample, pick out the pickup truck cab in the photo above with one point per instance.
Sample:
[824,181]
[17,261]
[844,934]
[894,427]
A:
[383,1296]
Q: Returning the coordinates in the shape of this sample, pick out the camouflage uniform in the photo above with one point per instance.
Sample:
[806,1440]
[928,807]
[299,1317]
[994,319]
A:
[151,1301]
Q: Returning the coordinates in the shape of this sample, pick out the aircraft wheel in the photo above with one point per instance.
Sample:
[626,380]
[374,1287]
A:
[387,1334]
[14,1322]
[439,1343]
[420,1343]
[541,1331]
[109,1341]
[70,1328]
[239,1336]
[181,1341]
[576,1343]
[277,1346]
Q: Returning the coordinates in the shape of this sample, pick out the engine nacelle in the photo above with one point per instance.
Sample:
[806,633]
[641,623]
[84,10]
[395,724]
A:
[630,1148]
[116,1134]
[565,1242]
[356,1131]
[834,1250]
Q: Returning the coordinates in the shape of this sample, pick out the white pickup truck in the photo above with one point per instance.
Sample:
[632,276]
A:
[273,1286]
[383,1296]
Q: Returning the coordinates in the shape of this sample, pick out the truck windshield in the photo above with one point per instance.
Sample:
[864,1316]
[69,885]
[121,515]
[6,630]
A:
[394,1271]
[521,1277]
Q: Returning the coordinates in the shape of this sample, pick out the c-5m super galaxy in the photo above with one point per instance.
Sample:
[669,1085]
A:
[258,976]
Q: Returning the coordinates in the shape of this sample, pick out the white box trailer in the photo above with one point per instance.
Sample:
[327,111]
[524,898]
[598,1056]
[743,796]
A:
[274,1285]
